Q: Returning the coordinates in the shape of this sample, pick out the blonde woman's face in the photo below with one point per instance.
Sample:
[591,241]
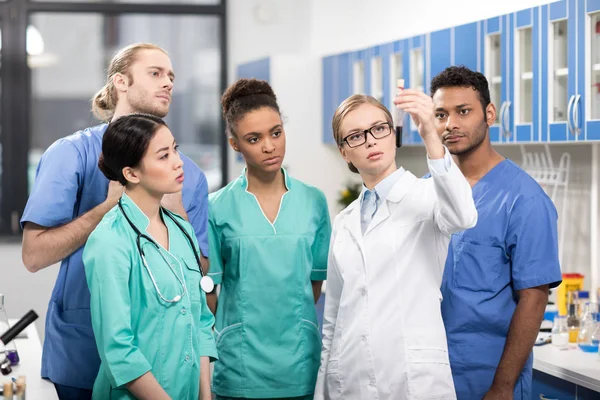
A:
[374,155]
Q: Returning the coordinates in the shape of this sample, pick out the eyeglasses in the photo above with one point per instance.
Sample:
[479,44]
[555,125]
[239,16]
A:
[359,138]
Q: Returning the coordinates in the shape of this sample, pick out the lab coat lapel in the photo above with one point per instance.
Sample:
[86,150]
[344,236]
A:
[352,224]
[381,215]
[399,190]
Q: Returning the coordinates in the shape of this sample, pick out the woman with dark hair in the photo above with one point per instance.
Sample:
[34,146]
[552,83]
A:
[151,321]
[268,238]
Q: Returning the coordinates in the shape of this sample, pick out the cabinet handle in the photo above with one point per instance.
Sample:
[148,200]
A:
[576,129]
[506,120]
[569,109]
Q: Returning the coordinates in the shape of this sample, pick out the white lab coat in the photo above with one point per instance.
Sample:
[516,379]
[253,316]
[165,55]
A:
[383,332]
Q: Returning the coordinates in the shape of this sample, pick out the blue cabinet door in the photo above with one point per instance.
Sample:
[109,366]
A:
[526,53]
[587,115]
[440,48]
[416,67]
[398,68]
[495,45]
[551,388]
[464,46]
[386,52]
[560,46]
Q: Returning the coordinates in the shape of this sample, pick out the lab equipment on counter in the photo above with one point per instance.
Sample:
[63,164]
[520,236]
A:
[560,331]
[8,391]
[583,298]
[585,339]
[570,283]
[7,351]
[573,322]
[10,334]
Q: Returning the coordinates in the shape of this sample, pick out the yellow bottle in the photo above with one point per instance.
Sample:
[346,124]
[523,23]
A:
[570,283]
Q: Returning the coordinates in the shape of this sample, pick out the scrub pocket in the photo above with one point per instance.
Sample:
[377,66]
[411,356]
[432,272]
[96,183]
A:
[428,367]
[481,267]
[229,369]
[193,278]
[311,349]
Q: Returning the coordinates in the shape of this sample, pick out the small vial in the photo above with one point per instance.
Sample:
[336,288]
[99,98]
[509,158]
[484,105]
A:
[399,117]
[8,391]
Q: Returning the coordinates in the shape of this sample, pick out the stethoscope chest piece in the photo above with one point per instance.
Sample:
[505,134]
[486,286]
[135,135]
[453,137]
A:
[207,284]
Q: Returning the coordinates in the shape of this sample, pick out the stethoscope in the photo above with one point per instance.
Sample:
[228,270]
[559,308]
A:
[206,282]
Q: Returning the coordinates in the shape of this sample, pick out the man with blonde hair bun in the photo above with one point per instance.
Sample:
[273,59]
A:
[71,195]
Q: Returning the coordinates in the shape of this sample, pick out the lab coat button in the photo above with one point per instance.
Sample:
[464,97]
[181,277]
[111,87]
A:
[363,291]
[187,357]
[183,310]
[364,338]
[372,382]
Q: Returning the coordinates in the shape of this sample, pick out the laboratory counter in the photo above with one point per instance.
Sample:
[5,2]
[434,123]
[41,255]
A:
[29,348]
[565,373]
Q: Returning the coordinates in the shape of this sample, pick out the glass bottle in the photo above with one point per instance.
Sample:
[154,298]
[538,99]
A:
[560,331]
[585,338]
[573,323]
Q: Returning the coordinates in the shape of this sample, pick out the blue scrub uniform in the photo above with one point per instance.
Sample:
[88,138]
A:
[68,184]
[512,247]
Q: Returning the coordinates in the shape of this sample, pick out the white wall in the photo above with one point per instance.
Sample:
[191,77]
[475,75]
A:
[342,25]
[24,291]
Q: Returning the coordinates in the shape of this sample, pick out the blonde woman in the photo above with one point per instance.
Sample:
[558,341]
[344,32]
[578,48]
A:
[383,331]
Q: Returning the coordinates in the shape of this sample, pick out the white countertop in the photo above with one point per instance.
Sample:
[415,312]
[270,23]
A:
[30,355]
[570,364]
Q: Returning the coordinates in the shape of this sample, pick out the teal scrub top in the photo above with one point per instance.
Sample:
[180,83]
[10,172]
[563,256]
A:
[136,331]
[268,338]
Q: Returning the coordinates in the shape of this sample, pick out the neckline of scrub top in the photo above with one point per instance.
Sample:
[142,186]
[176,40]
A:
[286,181]
[490,174]
[141,220]
[244,179]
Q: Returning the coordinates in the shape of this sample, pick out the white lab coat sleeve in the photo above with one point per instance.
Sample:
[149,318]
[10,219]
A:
[332,302]
[454,206]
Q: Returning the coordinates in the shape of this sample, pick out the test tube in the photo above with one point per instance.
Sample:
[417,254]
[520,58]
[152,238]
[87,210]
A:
[20,393]
[399,117]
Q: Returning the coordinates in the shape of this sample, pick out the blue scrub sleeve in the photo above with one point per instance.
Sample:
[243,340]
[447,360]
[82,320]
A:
[198,213]
[215,270]
[53,198]
[320,247]
[108,273]
[532,243]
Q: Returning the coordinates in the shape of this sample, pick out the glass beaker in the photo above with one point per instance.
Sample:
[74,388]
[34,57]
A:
[586,339]
[8,351]
[560,331]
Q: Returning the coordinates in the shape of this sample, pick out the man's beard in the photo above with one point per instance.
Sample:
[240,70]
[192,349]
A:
[482,131]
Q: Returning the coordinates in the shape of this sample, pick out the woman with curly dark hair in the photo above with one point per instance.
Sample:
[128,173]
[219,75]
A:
[269,240]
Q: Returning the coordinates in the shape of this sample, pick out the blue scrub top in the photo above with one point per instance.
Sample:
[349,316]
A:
[513,247]
[68,184]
